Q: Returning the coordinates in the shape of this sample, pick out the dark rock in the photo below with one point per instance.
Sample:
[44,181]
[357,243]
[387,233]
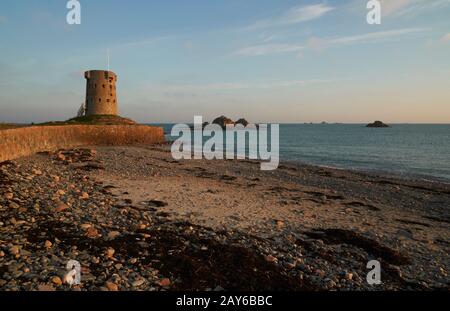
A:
[223,121]
[242,121]
[377,124]
[156,203]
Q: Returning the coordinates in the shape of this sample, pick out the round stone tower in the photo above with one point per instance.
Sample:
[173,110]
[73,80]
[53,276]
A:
[101,93]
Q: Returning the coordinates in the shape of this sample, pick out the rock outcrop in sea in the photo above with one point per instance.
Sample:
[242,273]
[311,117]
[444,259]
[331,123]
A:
[242,121]
[223,121]
[377,124]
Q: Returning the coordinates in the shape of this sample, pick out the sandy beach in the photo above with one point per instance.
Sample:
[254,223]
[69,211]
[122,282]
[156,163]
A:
[138,220]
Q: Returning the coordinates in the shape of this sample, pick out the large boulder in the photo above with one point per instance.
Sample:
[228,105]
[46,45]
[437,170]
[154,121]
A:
[377,124]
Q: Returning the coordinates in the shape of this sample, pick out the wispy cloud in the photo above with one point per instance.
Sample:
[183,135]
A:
[400,8]
[391,6]
[264,49]
[321,43]
[411,7]
[375,36]
[295,15]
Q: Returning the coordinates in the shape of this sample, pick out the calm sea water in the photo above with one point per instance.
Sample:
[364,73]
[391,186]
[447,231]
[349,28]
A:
[409,150]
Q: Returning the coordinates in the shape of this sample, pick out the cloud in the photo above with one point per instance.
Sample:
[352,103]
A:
[391,6]
[409,8]
[264,49]
[446,38]
[295,15]
[266,37]
[375,36]
[322,43]
[400,8]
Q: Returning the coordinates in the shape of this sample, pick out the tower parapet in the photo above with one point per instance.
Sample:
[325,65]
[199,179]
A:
[101,96]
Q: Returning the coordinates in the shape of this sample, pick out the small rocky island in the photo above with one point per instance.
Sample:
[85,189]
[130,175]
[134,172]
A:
[223,121]
[377,124]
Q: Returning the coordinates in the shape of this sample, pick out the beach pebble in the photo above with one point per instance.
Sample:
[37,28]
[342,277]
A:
[290,265]
[111,286]
[271,258]
[164,282]
[112,235]
[330,283]
[56,280]
[91,232]
[138,282]
[45,288]
[109,252]
[61,207]
[60,157]
[280,224]
[36,172]
[132,261]
[86,226]
[14,250]
[14,205]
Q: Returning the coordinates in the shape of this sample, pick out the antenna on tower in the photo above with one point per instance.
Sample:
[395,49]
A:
[107,56]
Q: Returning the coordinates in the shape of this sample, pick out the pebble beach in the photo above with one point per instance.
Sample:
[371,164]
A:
[135,219]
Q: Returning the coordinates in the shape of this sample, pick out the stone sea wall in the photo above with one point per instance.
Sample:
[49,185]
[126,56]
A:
[15,143]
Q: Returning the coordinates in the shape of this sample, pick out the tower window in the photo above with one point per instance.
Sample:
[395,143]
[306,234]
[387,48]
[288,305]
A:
[99,100]
[103,85]
[107,100]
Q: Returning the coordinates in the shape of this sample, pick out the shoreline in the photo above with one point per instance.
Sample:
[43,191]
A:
[139,220]
[407,151]
[376,173]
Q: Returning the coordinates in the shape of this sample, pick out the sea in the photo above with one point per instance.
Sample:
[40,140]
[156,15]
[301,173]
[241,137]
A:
[420,151]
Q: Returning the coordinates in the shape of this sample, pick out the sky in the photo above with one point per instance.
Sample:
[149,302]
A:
[278,61]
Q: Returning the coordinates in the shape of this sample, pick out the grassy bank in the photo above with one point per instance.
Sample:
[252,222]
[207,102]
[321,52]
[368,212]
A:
[86,120]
